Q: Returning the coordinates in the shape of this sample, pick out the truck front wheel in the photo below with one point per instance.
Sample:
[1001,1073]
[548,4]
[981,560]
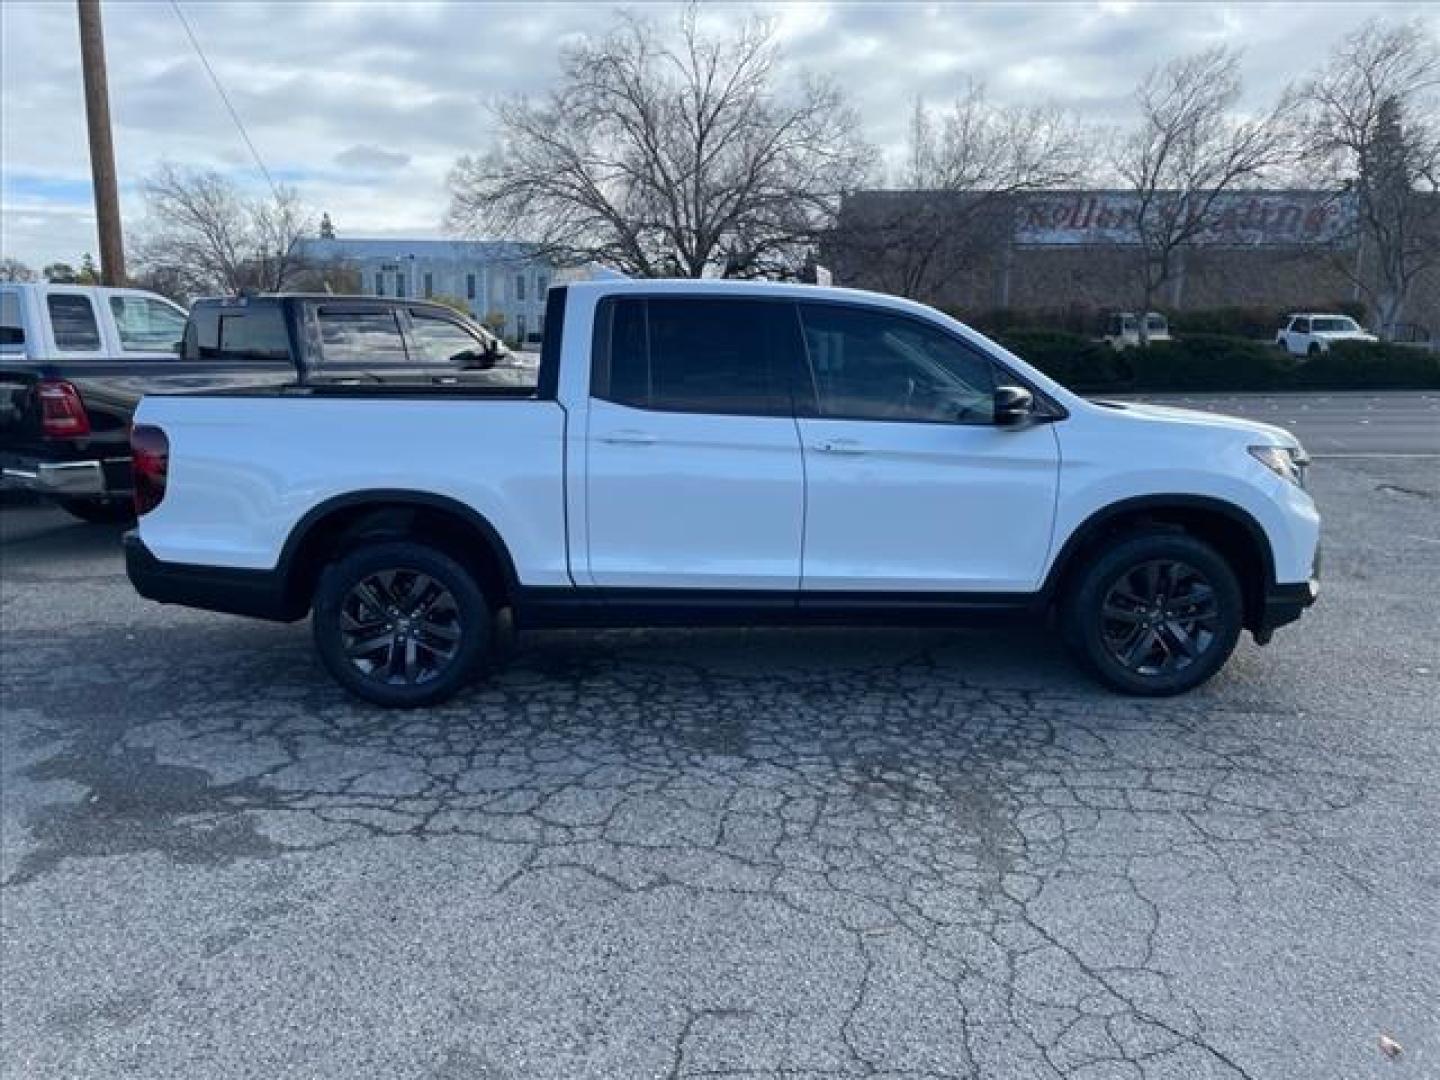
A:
[400,624]
[1156,613]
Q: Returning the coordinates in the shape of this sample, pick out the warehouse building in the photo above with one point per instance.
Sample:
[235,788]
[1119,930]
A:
[1078,251]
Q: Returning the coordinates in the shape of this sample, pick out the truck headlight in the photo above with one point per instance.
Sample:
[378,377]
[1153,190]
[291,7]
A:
[1288,462]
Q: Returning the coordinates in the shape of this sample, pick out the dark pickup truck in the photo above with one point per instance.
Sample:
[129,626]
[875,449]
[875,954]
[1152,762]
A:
[65,414]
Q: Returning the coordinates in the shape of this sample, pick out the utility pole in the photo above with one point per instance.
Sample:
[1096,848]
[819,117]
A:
[102,150]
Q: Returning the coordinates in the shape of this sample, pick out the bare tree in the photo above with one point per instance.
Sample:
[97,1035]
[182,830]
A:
[1189,150]
[15,270]
[964,166]
[667,155]
[205,234]
[1372,128]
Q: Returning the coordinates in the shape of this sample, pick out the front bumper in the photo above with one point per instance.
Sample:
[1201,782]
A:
[109,479]
[1283,604]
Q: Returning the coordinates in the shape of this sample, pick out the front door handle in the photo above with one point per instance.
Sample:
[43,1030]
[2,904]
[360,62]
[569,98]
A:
[840,446]
[628,438]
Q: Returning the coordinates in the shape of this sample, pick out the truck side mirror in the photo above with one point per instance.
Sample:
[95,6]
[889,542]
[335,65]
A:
[475,359]
[1014,406]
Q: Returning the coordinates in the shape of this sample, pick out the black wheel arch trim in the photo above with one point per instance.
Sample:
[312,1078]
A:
[391,497]
[1096,524]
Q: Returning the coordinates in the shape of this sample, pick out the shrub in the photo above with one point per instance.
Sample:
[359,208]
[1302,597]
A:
[1358,365]
[1070,359]
[1246,322]
[1212,362]
[1252,322]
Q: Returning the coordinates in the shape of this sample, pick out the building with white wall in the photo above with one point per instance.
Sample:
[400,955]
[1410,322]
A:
[502,283]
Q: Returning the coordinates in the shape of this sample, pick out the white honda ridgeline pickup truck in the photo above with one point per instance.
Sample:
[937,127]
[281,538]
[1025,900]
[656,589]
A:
[703,453]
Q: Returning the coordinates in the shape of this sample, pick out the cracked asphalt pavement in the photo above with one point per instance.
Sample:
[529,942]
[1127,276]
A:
[800,854]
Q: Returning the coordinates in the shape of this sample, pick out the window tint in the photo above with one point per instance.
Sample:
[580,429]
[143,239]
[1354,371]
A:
[379,284]
[429,285]
[73,319]
[360,339]
[12,330]
[873,365]
[710,356]
[446,343]
[469,286]
[258,336]
[1302,326]
[400,285]
[443,342]
[146,324]
[519,286]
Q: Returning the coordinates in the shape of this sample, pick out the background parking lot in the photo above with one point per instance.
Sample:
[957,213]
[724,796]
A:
[733,853]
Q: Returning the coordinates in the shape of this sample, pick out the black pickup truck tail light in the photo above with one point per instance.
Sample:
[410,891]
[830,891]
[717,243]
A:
[150,449]
[62,413]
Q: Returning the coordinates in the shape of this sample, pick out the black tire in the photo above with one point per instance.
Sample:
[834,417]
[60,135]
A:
[1313,350]
[424,618]
[100,511]
[1154,641]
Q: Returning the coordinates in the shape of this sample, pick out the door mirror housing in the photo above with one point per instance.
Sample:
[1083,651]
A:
[474,359]
[1014,406]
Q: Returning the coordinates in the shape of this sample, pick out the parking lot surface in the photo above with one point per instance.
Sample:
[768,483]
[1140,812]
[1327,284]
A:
[802,854]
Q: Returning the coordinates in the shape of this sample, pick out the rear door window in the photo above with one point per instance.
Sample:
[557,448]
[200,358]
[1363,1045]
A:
[72,318]
[674,354]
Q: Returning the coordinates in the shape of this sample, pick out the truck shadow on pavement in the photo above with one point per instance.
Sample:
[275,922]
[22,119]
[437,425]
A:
[960,798]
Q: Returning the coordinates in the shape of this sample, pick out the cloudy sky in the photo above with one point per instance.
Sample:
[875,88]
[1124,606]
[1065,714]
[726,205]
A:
[365,106]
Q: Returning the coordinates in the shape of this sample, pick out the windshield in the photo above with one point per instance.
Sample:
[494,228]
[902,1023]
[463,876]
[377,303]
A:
[1333,326]
[1156,322]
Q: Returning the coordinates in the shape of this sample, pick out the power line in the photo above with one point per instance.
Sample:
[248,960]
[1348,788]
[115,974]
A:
[240,126]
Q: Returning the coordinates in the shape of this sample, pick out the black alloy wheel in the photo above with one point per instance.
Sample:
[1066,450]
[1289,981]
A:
[400,626]
[1154,612]
[1160,617]
[400,623]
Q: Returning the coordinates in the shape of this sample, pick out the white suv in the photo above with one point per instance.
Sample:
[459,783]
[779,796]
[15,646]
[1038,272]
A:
[1311,334]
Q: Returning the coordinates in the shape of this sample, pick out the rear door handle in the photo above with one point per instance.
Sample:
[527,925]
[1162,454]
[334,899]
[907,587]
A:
[840,446]
[628,438]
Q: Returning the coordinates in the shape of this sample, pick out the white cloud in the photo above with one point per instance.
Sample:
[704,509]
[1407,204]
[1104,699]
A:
[364,106]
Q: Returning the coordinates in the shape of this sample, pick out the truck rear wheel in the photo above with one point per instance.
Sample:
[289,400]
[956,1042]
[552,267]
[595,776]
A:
[400,624]
[1156,613]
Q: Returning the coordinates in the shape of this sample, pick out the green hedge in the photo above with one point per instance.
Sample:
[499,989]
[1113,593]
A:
[1218,363]
[1259,323]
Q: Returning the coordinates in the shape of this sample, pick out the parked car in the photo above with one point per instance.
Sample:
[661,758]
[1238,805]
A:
[53,339]
[1310,334]
[75,361]
[714,452]
[1123,329]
